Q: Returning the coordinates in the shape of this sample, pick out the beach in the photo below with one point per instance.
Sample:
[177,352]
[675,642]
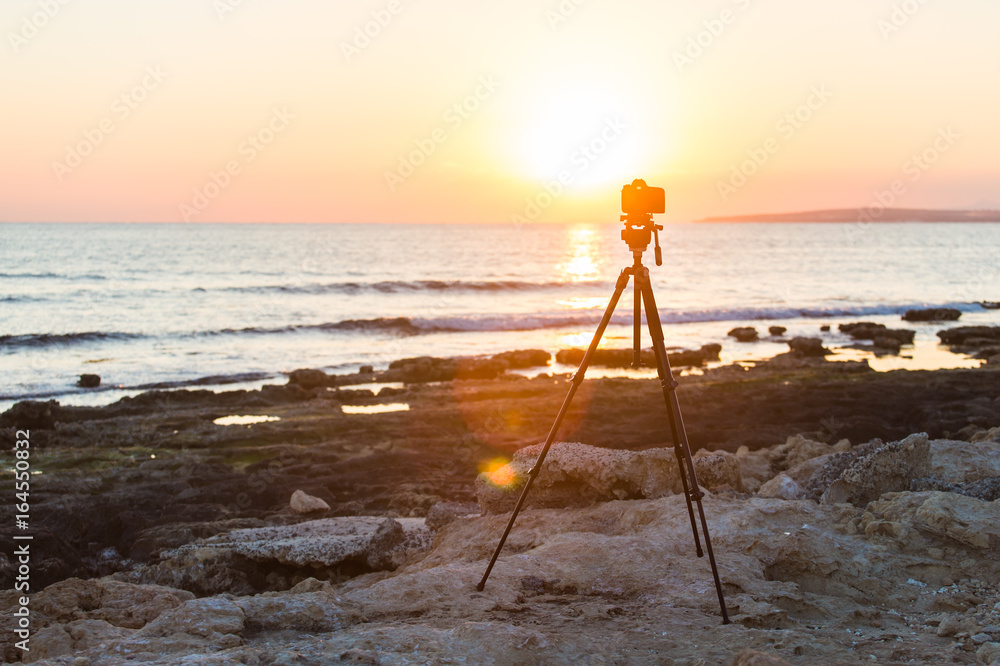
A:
[118,489]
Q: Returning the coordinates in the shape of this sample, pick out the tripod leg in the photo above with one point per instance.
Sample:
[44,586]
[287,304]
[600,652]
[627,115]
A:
[668,384]
[577,380]
[677,425]
[636,324]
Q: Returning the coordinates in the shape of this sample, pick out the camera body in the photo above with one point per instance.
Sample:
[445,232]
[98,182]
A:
[640,199]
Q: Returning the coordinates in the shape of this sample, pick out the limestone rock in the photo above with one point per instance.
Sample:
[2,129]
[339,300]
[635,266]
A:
[954,520]
[932,314]
[718,469]
[782,487]
[962,462]
[308,378]
[89,381]
[866,330]
[524,358]
[118,603]
[303,502]
[991,435]
[329,541]
[878,468]
[575,474]
[751,657]
[970,335]
[744,333]
[206,618]
[776,330]
[316,611]
[988,653]
[443,513]
[808,347]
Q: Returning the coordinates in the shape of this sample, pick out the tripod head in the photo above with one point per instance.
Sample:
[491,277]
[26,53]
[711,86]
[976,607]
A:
[639,203]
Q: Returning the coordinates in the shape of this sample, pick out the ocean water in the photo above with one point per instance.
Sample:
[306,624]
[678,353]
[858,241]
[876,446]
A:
[173,305]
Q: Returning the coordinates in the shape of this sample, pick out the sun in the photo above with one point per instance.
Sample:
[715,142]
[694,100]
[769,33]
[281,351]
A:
[582,134]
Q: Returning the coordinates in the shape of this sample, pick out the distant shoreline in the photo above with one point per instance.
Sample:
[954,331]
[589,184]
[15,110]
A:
[865,215]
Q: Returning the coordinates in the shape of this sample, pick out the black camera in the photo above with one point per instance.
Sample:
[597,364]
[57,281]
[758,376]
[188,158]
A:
[640,199]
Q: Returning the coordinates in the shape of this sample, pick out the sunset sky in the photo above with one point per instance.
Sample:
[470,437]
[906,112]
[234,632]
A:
[459,111]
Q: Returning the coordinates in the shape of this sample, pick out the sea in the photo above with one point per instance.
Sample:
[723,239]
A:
[222,306]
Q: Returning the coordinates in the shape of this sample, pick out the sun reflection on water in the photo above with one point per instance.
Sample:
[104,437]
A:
[581,262]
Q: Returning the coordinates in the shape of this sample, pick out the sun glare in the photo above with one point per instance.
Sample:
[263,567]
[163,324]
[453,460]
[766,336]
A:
[583,135]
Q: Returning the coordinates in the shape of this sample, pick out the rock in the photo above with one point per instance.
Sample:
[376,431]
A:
[717,470]
[776,330]
[962,462]
[944,519]
[476,368]
[622,358]
[979,639]
[314,612]
[744,333]
[782,487]
[988,653]
[751,657]
[932,314]
[308,378]
[987,490]
[120,604]
[89,381]
[366,370]
[878,468]
[204,618]
[824,328]
[692,357]
[302,502]
[866,330]
[443,513]
[32,415]
[524,358]
[962,335]
[429,369]
[575,474]
[991,435]
[329,541]
[808,347]
[421,369]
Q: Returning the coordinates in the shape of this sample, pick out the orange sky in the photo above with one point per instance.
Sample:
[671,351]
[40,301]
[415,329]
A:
[453,111]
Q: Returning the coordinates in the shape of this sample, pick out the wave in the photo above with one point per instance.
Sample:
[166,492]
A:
[50,339]
[41,276]
[409,326]
[410,286]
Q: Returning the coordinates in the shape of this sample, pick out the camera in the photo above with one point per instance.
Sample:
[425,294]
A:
[640,199]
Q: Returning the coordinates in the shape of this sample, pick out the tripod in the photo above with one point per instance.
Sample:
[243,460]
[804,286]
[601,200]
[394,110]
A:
[638,228]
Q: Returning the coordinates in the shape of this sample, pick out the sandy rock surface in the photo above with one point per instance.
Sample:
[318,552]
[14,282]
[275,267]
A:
[575,474]
[907,577]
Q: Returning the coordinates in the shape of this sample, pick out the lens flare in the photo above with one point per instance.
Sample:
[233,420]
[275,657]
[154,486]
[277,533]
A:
[499,472]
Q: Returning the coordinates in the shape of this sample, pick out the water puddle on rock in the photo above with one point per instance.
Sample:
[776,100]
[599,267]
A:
[244,420]
[376,409]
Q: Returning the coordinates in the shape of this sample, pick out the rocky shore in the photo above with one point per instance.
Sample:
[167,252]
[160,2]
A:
[161,534]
